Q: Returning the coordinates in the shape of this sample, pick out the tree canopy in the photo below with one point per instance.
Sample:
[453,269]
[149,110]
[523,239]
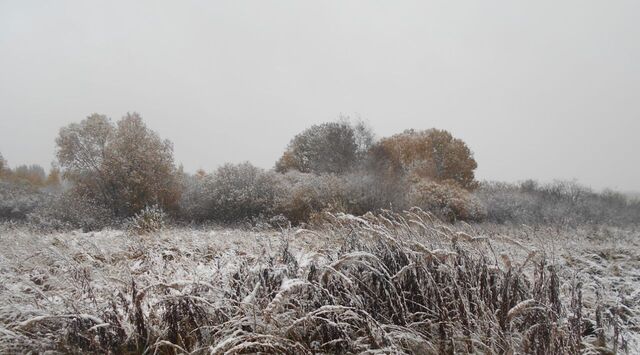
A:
[125,166]
[332,147]
[432,154]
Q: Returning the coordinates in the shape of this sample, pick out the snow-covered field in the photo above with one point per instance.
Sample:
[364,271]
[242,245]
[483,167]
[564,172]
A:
[388,284]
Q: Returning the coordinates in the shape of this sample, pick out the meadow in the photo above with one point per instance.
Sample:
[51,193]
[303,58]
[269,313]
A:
[380,283]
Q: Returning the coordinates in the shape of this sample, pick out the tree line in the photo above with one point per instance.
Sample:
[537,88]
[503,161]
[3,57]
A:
[110,171]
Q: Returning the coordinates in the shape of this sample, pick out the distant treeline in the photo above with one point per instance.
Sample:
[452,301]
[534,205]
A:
[108,172]
[561,202]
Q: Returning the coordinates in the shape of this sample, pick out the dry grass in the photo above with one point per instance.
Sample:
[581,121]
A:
[392,283]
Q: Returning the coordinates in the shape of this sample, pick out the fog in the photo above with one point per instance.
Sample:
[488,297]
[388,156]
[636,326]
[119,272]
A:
[544,90]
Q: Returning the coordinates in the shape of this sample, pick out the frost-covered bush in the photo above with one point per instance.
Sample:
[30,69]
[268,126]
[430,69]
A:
[505,202]
[307,194]
[3,165]
[18,199]
[244,193]
[563,203]
[367,191]
[194,202]
[149,220]
[279,221]
[446,201]
[237,192]
[70,210]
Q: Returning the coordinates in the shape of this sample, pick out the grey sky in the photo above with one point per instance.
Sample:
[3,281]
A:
[537,89]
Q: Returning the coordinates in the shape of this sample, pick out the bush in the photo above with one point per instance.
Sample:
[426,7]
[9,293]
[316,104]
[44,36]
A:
[561,202]
[194,202]
[367,191]
[149,220]
[245,193]
[69,210]
[237,192]
[447,201]
[307,194]
[19,199]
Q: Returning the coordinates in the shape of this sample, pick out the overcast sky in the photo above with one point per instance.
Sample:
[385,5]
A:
[538,89]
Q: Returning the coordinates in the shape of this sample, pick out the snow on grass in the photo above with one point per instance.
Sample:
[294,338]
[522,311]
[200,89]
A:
[351,285]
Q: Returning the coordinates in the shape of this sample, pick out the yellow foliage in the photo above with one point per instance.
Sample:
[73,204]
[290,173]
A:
[433,154]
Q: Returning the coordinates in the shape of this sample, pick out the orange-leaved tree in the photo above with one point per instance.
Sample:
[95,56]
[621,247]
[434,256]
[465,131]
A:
[431,154]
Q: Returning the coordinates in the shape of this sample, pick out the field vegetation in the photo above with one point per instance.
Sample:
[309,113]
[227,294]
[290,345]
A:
[350,244]
[386,283]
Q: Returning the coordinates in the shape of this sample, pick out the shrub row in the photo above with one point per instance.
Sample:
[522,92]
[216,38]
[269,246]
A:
[561,202]
[240,193]
[245,192]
